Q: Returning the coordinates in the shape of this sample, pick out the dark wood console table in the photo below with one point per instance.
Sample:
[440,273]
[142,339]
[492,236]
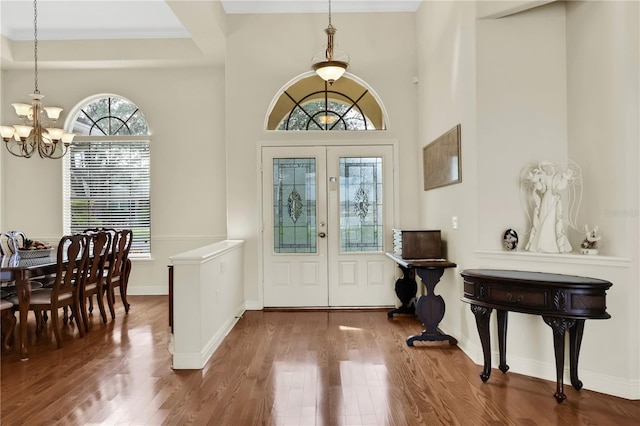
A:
[564,301]
[429,308]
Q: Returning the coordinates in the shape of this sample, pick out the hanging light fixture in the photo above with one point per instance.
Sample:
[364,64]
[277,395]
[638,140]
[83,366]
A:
[33,135]
[330,64]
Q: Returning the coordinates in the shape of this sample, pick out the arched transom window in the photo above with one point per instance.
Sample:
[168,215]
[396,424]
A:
[106,173]
[312,104]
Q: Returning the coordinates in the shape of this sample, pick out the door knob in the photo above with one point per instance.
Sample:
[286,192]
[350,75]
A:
[322,235]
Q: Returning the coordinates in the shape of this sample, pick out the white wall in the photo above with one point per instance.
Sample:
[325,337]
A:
[522,111]
[185,112]
[447,96]
[604,136]
[264,52]
[549,84]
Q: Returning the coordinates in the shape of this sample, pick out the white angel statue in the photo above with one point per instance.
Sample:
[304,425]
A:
[543,185]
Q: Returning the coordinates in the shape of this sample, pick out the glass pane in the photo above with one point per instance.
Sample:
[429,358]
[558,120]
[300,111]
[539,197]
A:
[110,116]
[361,204]
[294,205]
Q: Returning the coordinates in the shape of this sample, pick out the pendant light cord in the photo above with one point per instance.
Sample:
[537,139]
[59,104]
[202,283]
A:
[35,43]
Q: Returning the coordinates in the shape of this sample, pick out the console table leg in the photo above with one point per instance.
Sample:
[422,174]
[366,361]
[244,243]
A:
[575,340]
[430,309]
[559,326]
[482,315]
[502,339]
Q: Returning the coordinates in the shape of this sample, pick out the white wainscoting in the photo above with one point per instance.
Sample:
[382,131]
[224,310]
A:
[208,299]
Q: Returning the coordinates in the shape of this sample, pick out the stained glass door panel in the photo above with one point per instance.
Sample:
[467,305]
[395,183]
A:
[361,204]
[294,204]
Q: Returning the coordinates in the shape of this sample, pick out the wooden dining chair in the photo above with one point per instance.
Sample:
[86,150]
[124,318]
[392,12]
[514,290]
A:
[7,323]
[10,243]
[93,276]
[119,269]
[72,255]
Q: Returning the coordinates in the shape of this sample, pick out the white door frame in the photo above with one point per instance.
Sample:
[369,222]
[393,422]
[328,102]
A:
[299,143]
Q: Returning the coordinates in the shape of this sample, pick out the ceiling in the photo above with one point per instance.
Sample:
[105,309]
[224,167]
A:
[148,19]
[91,34]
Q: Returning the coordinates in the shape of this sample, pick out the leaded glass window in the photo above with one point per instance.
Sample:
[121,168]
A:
[361,216]
[312,104]
[294,204]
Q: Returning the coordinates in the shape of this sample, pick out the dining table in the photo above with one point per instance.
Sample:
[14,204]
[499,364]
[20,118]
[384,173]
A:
[23,270]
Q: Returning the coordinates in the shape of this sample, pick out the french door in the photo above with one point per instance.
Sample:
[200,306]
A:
[327,219]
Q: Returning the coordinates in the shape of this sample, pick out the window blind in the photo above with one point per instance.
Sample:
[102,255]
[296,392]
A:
[109,186]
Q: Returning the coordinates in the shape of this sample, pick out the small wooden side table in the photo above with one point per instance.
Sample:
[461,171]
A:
[563,301]
[430,307]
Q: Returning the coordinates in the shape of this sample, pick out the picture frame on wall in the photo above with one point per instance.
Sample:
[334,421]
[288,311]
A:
[442,160]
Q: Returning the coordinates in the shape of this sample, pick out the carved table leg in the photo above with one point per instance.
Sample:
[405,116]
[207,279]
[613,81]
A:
[559,326]
[502,339]
[430,309]
[406,289]
[575,340]
[483,315]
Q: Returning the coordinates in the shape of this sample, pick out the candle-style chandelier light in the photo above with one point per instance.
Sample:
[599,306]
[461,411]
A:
[22,140]
[330,63]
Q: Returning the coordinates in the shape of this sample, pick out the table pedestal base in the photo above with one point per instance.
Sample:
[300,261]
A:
[406,289]
[430,309]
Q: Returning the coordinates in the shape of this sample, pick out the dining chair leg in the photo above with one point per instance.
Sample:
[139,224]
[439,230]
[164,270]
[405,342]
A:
[56,327]
[123,286]
[77,315]
[8,328]
[91,305]
[39,322]
[101,307]
[111,301]
[83,312]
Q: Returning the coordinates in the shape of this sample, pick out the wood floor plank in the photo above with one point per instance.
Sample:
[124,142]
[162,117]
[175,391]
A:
[277,368]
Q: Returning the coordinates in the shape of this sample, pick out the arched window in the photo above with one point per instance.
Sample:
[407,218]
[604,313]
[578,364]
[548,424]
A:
[310,103]
[106,172]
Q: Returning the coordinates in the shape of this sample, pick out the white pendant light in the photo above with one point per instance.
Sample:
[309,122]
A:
[330,64]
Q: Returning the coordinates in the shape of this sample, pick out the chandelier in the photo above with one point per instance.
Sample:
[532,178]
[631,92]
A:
[34,134]
[330,64]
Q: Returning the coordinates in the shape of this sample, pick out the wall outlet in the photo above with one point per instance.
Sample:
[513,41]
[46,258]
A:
[454,222]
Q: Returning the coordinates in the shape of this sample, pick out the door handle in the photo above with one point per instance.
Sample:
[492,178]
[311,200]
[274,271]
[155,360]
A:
[322,235]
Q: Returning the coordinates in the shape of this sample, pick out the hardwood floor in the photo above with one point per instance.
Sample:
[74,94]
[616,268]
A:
[277,368]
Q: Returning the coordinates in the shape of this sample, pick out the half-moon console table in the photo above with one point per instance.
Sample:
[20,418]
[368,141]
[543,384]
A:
[429,307]
[564,301]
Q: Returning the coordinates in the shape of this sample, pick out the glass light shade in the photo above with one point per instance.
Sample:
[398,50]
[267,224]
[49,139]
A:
[7,132]
[67,138]
[330,70]
[23,110]
[55,134]
[327,119]
[23,131]
[53,112]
